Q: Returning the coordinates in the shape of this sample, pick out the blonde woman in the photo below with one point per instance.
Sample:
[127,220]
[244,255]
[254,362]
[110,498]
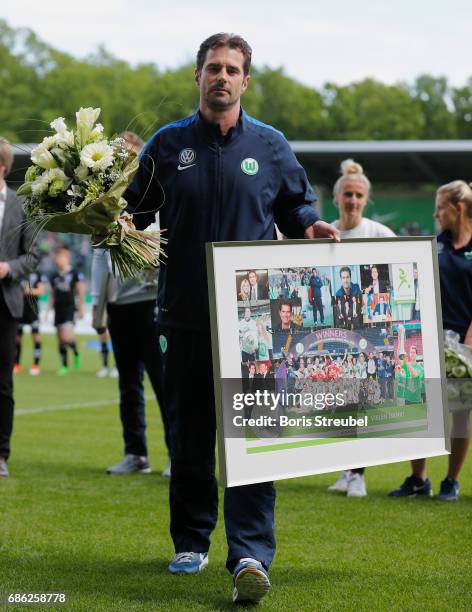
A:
[244,290]
[453,214]
[351,194]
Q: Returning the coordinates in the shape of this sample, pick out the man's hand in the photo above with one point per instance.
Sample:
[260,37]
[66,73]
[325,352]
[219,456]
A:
[4,269]
[321,229]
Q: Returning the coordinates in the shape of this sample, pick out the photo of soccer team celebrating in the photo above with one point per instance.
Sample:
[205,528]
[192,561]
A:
[351,329]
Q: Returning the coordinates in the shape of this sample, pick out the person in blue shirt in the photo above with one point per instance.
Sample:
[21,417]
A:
[347,289]
[453,214]
[218,175]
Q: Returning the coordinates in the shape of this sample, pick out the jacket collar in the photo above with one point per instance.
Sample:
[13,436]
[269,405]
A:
[446,238]
[212,133]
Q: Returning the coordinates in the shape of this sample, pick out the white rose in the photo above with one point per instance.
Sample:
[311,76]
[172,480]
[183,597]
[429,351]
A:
[97,156]
[49,142]
[41,184]
[65,139]
[86,118]
[42,157]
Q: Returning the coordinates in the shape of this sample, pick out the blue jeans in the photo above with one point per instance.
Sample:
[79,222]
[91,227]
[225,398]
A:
[134,338]
[187,387]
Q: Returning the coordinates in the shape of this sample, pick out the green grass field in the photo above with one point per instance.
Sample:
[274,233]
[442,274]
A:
[65,526]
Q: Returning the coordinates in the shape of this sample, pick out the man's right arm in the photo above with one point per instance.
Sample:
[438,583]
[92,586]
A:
[145,195]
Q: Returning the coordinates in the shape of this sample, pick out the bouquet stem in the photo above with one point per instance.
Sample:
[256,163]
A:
[131,250]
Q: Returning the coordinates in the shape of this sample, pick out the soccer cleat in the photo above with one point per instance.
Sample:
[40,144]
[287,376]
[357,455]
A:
[113,373]
[17,368]
[102,372]
[129,465]
[188,563]
[251,581]
[77,361]
[63,371]
[3,468]
[35,370]
[449,490]
[341,482]
[413,487]
[356,485]
[166,471]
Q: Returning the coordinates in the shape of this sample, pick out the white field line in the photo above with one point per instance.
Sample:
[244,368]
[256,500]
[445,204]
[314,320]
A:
[74,406]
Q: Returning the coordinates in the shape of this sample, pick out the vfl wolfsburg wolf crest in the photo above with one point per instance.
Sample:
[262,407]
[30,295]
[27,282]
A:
[249,166]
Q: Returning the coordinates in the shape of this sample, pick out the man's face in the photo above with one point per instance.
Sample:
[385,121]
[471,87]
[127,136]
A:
[253,278]
[263,368]
[252,370]
[374,273]
[345,279]
[221,80]
[247,314]
[285,314]
[412,354]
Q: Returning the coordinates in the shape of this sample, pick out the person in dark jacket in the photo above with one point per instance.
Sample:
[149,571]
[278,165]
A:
[453,213]
[18,258]
[316,284]
[217,175]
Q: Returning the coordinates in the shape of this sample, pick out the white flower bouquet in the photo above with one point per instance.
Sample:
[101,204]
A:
[458,371]
[76,184]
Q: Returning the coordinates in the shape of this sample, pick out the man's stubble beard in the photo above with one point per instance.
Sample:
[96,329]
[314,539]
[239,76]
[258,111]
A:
[218,105]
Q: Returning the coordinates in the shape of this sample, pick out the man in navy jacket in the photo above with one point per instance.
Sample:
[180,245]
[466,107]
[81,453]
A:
[218,175]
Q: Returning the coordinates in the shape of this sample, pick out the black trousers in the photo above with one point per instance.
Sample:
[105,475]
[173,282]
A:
[186,368]
[318,307]
[134,338]
[8,329]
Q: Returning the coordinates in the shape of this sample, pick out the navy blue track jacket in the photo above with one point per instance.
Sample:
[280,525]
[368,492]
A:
[213,188]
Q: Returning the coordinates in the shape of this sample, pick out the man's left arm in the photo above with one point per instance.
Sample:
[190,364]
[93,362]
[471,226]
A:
[293,207]
[28,255]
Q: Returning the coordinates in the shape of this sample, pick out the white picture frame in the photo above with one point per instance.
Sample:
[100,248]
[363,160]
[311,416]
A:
[419,432]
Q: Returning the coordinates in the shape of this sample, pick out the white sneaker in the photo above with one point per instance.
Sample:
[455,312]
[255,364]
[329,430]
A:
[102,372]
[356,486]
[130,464]
[113,373]
[166,471]
[341,483]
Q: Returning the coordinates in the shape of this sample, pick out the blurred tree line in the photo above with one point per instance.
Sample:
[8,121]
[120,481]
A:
[39,83]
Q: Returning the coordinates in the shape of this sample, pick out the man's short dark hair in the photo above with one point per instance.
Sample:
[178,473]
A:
[345,269]
[223,39]
[285,303]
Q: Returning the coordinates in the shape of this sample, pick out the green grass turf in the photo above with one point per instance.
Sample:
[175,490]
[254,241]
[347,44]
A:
[66,526]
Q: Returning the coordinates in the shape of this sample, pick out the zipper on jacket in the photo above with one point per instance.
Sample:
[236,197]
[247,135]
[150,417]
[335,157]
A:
[218,193]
